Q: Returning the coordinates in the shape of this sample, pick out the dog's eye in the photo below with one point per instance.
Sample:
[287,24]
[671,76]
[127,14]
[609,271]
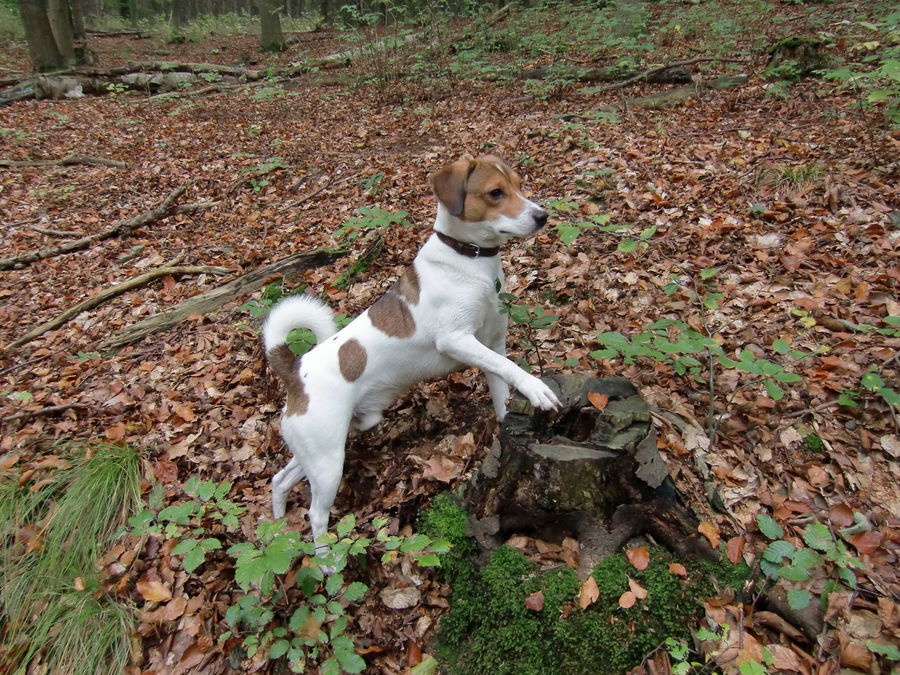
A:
[496,193]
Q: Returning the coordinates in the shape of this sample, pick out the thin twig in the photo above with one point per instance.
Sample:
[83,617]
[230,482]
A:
[65,161]
[45,411]
[111,292]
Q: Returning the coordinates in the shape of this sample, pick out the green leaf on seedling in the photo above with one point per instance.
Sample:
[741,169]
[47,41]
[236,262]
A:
[355,591]
[781,346]
[768,526]
[627,245]
[817,536]
[798,598]
[890,651]
[775,392]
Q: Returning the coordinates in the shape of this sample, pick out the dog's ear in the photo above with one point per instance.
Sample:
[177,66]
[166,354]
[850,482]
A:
[449,185]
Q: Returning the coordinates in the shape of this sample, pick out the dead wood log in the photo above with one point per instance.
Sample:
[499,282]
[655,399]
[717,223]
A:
[157,213]
[592,474]
[62,234]
[215,298]
[677,96]
[111,292]
[65,161]
[659,74]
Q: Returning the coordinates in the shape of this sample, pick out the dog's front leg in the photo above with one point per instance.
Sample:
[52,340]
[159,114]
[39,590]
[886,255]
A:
[465,348]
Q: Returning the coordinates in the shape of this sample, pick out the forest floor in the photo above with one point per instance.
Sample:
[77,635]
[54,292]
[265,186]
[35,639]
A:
[789,192]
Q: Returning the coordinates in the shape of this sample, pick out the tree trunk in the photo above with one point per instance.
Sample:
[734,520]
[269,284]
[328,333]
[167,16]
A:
[590,471]
[61,25]
[42,48]
[271,38]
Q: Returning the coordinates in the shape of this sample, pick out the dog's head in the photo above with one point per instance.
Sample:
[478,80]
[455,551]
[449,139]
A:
[483,203]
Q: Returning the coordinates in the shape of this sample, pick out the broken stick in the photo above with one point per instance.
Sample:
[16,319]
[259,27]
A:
[161,211]
[111,292]
[215,298]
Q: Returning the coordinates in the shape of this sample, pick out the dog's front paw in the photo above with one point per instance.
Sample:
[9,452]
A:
[539,394]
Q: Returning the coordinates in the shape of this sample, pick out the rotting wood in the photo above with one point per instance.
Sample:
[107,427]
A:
[677,96]
[595,475]
[164,209]
[215,298]
[652,73]
[111,292]
[61,234]
[65,161]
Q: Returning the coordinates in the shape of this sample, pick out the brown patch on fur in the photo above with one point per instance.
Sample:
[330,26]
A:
[391,315]
[408,285]
[352,359]
[464,188]
[285,364]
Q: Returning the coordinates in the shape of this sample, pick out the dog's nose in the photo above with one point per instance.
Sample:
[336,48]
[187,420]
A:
[540,219]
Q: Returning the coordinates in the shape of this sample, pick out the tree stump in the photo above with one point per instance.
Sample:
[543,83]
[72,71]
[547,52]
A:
[581,471]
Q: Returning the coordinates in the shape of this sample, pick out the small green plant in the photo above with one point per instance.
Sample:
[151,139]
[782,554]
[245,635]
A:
[370,218]
[371,185]
[783,560]
[211,76]
[268,94]
[527,320]
[308,630]
[190,521]
[116,88]
[271,294]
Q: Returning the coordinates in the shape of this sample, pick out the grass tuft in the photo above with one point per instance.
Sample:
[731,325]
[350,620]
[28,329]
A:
[53,607]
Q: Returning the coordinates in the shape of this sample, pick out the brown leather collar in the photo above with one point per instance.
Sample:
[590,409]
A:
[466,249]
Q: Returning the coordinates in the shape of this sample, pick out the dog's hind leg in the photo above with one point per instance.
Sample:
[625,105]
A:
[282,483]
[324,481]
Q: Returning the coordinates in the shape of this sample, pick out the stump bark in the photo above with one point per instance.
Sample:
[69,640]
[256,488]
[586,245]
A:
[581,471]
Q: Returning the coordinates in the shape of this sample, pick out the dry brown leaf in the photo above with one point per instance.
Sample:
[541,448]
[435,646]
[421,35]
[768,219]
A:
[535,601]
[598,400]
[710,531]
[639,557]
[153,591]
[678,569]
[734,549]
[400,598]
[627,600]
[589,593]
[639,592]
[8,460]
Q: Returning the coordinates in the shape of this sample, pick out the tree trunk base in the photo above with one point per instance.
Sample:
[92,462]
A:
[584,472]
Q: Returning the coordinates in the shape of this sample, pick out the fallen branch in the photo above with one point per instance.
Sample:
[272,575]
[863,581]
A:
[215,298]
[652,72]
[111,292]
[193,207]
[161,211]
[65,161]
[62,234]
[677,96]
[50,410]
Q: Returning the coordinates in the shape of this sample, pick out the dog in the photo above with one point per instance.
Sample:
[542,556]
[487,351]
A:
[442,315]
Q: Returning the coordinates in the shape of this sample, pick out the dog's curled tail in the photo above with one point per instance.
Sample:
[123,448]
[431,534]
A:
[295,311]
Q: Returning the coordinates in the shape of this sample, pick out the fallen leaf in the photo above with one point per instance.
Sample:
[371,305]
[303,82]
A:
[678,569]
[153,591]
[8,460]
[710,531]
[442,468]
[413,654]
[734,549]
[589,593]
[867,542]
[193,656]
[79,584]
[571,552]
[627,599]
[639,592]
[116,432]
[856,656]
[400,598]
[639,557]
[598,400]
[535,601]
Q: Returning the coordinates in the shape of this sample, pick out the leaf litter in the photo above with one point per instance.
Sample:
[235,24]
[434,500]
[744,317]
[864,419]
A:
[812,265]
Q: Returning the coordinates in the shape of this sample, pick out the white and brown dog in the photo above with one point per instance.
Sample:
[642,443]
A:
[443,314]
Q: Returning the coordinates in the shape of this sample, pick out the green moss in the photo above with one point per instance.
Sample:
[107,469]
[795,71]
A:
[489,628]
[445,520]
